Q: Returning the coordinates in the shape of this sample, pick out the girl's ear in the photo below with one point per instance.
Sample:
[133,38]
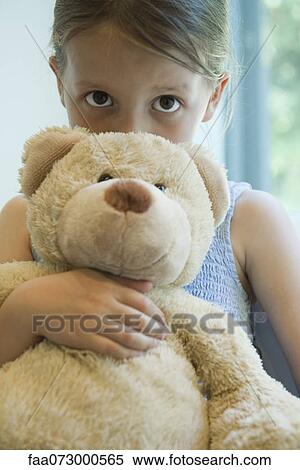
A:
[214,176]
[41,152]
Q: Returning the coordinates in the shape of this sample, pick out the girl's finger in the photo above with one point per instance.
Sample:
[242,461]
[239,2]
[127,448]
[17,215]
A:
[139,321]
[106,346]
[131,338]
[142,303]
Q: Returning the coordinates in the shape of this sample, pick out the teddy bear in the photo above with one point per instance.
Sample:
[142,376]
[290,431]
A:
[139,206]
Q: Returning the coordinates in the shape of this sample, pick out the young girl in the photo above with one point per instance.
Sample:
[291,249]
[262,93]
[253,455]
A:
[158,66]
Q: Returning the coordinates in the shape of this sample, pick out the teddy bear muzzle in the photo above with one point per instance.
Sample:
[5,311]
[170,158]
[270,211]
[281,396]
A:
[128,196]
[127,227]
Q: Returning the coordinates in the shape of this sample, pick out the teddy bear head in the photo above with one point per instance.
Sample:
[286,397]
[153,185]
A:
[132,204]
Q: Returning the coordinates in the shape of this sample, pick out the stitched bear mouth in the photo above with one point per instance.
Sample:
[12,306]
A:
[111,268]
[157,261]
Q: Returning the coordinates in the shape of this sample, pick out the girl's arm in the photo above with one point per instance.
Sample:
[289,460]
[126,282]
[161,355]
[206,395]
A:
[16,333]
[271,249]
[14,236]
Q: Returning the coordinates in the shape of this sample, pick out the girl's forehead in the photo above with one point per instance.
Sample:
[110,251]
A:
[105,51]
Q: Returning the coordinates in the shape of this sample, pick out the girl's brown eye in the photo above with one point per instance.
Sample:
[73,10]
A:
[104,177]
[161,187]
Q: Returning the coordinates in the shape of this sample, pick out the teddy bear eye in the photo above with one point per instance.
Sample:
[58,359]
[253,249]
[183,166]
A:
[104,177]
[161,187]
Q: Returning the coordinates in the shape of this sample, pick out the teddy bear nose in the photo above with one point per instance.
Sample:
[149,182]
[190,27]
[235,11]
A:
[128,196]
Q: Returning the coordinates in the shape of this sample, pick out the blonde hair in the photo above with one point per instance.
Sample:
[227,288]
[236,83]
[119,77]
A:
[198,29]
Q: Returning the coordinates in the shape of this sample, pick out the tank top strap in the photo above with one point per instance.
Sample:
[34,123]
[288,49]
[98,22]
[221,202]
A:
[223,231]
[224,237]
[236,189]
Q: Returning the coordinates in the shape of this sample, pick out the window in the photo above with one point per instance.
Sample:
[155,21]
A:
[263,144]
[284,101]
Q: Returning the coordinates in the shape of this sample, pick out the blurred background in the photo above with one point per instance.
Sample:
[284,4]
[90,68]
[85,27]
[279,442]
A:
[263,142]
[261,146]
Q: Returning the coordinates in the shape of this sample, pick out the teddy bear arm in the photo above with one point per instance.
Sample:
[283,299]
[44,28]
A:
[219,349]
[14,273]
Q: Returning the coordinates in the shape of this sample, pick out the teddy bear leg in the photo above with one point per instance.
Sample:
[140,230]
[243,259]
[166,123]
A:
[247,408]
[260,414]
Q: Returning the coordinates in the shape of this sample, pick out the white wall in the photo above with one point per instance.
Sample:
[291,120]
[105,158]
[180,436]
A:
[29,100]
[29,97]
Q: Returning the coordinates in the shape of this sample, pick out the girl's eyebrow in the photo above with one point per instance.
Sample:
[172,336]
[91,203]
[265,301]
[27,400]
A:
[86,83]
[157,88]
[181,86]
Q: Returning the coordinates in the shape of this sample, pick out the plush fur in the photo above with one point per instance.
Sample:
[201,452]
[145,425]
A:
[199,389]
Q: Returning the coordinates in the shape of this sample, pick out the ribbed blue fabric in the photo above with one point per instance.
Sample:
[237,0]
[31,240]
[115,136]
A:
[217,280]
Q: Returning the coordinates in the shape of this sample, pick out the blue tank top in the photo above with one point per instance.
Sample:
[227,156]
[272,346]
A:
[217,280]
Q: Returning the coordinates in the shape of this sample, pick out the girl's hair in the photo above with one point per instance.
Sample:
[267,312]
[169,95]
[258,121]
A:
[198,29]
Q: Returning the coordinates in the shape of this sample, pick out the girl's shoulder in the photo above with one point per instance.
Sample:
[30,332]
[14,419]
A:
[252,210]
[256,216]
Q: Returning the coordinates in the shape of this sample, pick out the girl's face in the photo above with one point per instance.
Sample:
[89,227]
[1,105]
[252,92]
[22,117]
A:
[112,84]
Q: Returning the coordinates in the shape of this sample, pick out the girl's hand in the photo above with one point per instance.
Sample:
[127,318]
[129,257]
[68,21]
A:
[91,297]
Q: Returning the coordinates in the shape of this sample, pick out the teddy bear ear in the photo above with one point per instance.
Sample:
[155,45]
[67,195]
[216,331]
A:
[214,176]
[41,152]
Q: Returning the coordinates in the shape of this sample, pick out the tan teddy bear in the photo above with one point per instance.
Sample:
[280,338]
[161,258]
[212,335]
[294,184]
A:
[138,206]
